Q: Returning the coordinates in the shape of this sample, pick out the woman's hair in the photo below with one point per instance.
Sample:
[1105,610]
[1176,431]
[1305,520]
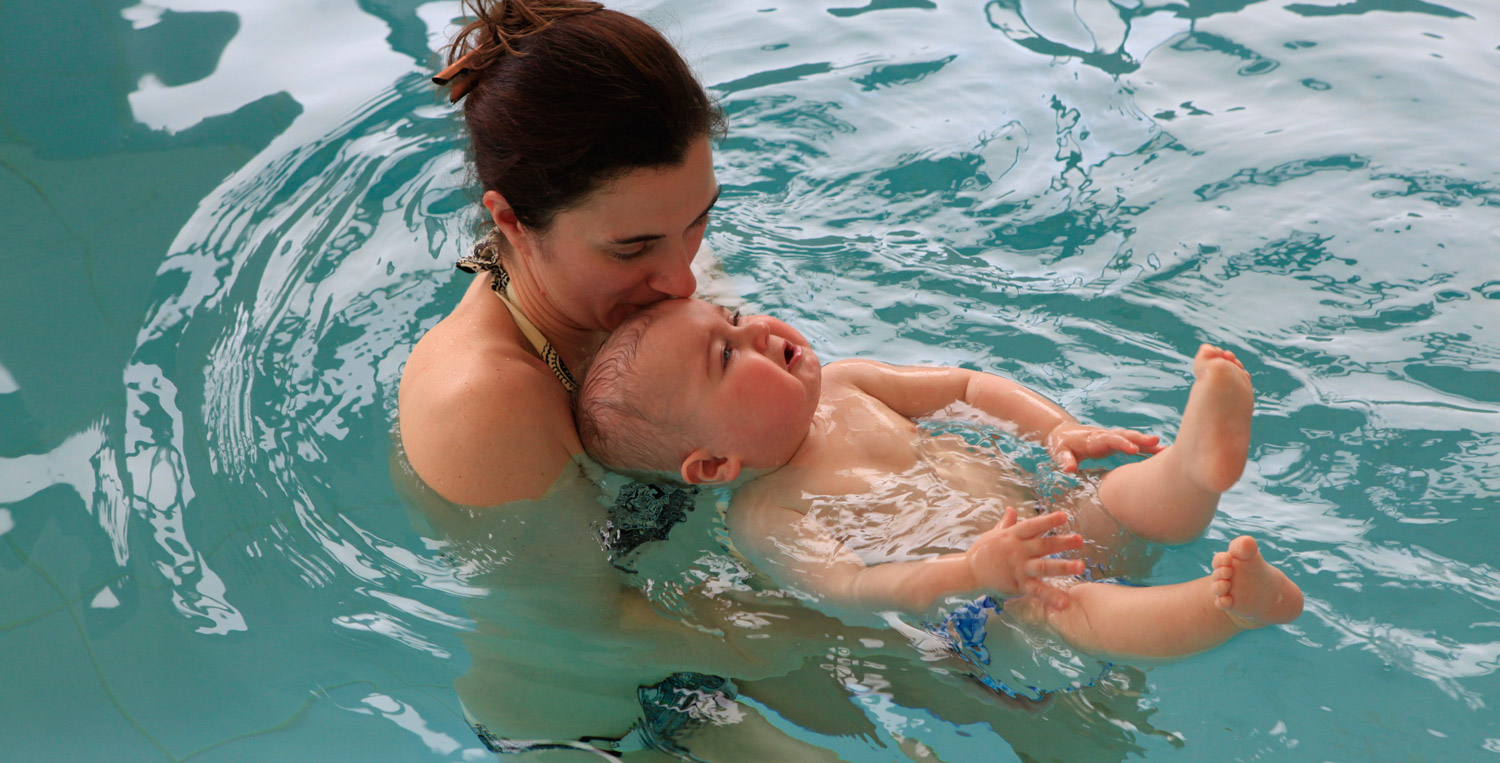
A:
[562,96]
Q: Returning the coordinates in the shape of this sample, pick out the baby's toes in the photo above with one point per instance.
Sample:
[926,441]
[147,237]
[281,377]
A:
[1244,548]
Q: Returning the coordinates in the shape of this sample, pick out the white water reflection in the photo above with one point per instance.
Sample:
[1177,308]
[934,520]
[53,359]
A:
[71,463]
[407,717]
[1440,659]
[143,15]
[269,55]
[7,382]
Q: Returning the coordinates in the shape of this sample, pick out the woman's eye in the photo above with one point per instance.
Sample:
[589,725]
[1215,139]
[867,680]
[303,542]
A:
[629,254]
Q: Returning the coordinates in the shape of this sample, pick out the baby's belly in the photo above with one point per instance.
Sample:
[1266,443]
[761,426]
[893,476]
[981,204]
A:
[983,474]
[949,495]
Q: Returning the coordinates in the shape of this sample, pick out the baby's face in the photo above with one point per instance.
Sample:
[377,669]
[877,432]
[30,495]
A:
[740,385]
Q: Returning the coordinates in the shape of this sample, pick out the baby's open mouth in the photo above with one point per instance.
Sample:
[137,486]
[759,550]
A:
[792,352]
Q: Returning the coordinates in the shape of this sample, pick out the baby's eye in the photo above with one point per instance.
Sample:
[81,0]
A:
[727,353]
[734,320]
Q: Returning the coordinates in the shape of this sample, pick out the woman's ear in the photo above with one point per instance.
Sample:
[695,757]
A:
[704,468]
[505,219]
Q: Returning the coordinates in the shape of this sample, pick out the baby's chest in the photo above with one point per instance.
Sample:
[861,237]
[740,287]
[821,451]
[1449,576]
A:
[866,435]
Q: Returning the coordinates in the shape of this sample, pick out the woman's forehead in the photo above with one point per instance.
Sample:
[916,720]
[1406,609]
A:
[650,194]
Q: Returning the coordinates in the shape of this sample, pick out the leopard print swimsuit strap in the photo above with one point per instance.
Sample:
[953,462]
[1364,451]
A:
[486,257]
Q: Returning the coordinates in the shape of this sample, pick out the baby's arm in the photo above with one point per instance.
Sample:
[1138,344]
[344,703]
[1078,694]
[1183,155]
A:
[918,391]
[1011,559]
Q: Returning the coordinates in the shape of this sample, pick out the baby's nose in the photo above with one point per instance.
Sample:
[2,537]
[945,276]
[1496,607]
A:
[760,334]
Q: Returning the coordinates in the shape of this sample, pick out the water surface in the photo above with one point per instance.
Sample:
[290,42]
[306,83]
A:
[226,223]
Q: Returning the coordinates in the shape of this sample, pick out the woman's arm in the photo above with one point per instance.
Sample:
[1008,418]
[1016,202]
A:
[540,577]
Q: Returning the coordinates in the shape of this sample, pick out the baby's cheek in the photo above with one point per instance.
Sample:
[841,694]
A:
[749,390]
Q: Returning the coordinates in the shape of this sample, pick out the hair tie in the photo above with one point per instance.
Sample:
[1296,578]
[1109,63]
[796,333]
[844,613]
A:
[455,70]
[497,30]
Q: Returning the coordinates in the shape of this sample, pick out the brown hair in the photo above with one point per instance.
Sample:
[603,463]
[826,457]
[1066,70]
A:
[562,96]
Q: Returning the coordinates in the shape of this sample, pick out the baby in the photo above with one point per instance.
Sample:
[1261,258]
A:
[708,396]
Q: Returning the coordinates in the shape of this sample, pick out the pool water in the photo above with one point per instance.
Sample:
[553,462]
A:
[226,222]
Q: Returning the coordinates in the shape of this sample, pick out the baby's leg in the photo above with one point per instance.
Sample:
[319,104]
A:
[1243,592]
[1172,496]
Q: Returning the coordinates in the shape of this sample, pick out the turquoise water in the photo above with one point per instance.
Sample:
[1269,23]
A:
[226,222]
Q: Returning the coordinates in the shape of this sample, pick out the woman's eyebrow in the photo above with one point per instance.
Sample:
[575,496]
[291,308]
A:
[711,202]
[654,236]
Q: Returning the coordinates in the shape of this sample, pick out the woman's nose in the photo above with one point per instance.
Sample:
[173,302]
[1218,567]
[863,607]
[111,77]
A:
[676,279]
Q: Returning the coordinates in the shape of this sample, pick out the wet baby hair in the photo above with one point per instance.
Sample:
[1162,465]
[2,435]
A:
[563,96]
[624,426]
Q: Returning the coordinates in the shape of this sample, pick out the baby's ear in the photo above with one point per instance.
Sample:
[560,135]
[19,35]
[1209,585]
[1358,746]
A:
[704,468]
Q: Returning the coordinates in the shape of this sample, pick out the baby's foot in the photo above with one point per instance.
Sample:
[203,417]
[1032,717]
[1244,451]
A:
[1250,590]
[1214,440]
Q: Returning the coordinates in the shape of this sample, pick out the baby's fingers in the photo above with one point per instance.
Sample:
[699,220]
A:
[1039,525]
[1056,544]
[1052,596]
[1148,443]
[1009,519]
[1064,459]
[1121,441]
[1052,568]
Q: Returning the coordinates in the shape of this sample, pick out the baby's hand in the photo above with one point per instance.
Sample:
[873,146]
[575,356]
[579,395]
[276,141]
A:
[1070,443]
[1013,558]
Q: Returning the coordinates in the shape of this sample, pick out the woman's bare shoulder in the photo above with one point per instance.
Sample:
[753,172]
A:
[482,421]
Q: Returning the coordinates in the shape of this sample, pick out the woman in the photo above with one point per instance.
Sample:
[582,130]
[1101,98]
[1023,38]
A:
[590,139]
[591,142]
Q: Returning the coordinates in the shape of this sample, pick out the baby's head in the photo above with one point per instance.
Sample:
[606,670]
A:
[696,391]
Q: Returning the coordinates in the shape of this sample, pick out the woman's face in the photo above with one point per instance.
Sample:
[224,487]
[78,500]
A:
[628,245]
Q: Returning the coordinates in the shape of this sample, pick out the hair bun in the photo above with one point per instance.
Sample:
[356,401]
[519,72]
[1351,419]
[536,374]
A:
[493,32]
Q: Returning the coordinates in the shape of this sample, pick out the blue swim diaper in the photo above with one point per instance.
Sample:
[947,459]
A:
[964,630]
